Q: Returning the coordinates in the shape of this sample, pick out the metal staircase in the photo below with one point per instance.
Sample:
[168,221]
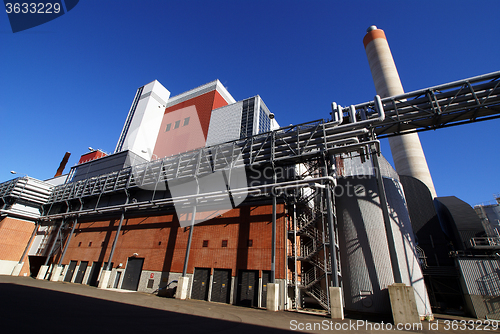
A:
[310,248]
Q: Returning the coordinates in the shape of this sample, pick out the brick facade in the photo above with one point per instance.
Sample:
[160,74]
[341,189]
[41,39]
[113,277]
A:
[162,243]
[14,236]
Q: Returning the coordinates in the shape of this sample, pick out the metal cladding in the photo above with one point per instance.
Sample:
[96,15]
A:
[366,264]
[480,282]
[425,223]
[407,152]
[460,221]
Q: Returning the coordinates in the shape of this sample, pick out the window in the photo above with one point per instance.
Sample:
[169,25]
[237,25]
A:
[90,244]
[224,243]
[177,123]
[205,243]
[79,244]
[168,127]
[186,121]
[250,243]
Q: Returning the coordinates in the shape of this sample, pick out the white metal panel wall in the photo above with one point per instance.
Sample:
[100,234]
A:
[225,124]
[143,130]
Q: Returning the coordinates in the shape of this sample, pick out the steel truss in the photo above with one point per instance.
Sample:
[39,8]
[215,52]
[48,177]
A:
[460,102]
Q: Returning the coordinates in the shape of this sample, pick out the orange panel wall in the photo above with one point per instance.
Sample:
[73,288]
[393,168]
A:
[203,106]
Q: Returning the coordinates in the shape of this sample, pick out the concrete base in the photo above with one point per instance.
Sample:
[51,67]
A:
[182,288]
[336,303]
[42,272]
[403,304]
[104,279]
[17,269]
[273,297]
[56,273]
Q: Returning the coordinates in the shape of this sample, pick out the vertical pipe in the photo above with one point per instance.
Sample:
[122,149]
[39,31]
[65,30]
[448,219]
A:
[387,221]
[188,247]
[331,228]
[273,242]
[37,225]
[296,277]
[68,241]
[54,242]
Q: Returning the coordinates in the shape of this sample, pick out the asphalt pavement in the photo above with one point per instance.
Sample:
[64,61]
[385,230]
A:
[28,305]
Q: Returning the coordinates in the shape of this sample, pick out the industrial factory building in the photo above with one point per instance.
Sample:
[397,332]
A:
[208,198]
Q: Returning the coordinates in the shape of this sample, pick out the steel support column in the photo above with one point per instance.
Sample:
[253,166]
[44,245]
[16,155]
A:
[115,241]
[68,241]
[295,274]
[273,242]
[190,237]
[331,229]
[387,220]
[188,247]
[37,225]
[54,242]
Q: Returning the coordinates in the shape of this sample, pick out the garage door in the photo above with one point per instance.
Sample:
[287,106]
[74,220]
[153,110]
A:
[221,286]
[200,283]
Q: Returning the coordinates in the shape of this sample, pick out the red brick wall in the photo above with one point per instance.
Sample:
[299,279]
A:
[14,236]
[162,243]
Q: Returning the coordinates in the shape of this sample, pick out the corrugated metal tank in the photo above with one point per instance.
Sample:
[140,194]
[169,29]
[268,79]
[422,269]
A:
[365,259]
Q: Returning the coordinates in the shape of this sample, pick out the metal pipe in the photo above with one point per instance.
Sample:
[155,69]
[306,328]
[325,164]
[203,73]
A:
[295,274]
[331,228]
[273,242]
[37,225]
[277,185]
[454,84]
[387,221]
[54,242]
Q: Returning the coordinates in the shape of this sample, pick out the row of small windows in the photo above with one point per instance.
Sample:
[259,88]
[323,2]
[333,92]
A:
[177,124]
[224,243]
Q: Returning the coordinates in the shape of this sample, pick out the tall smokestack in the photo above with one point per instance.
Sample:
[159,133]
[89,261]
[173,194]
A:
[407,153]
[62,165]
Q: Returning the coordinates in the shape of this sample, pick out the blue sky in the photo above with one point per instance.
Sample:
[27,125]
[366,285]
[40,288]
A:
[68,84]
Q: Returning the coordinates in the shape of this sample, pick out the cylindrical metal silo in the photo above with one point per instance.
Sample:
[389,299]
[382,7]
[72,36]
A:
[365,258]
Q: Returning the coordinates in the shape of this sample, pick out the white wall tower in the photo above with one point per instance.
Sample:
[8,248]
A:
[144,120]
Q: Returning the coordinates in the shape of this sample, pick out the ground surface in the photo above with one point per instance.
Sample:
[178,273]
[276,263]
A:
[30,305]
